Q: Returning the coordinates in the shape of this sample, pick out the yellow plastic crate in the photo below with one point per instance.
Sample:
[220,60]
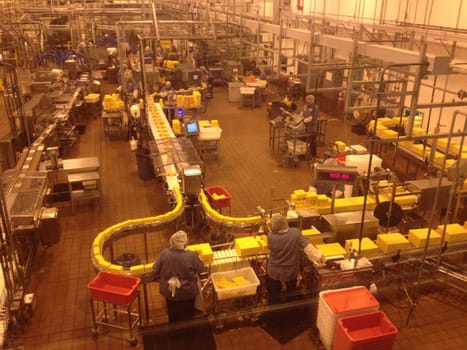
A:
[247,246]
[390,242]
[204,250]
[418,237]
[369,248]
[454,232]
[331,249]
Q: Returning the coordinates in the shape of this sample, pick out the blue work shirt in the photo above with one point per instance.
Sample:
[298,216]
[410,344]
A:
[184,264]
[284,254]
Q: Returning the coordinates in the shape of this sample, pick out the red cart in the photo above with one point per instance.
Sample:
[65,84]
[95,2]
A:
[119,291]
[219,197]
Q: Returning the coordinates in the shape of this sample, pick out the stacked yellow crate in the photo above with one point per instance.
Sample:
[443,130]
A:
[204,251]
[298,197]
[112,102]
[245,246]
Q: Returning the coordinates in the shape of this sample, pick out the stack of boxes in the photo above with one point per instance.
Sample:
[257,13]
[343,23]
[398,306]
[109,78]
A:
[113,102]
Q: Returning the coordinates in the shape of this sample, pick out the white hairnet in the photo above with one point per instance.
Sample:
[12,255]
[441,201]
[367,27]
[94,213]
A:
[178,240]
[279,224]
[310,99]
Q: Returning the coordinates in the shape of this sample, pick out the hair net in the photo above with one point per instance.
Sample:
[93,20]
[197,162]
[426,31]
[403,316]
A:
[279,224]
[310,99]
[178,240]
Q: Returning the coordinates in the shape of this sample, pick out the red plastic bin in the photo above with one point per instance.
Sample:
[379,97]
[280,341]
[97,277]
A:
[217,203]
[368,331]
[114,288]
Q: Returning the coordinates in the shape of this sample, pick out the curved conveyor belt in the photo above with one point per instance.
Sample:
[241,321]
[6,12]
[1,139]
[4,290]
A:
[134,226]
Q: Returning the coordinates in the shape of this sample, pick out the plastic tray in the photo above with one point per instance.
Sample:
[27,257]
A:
[236,292]
[114,288]
[334,304]
[217,203]
[366,331]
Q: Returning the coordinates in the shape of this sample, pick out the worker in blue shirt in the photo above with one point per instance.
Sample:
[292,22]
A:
[310,118]
[286,244]
[177,270]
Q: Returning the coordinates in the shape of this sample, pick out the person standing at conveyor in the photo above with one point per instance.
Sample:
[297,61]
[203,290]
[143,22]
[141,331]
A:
[169,98]
[177,270]
[310,118]
[285,247]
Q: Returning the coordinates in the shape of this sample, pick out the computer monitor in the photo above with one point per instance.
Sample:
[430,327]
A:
[191,128]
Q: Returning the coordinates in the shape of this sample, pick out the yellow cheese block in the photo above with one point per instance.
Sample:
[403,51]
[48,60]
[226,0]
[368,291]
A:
[340,146]
[416,131]
[406,144]
[323,200]
[454,232]
[204,251]
[368,248]
[390,242]
[236,281]
[331,249]
[263,243]
[313,235]
[421,150]
[247,246]
[386,121]
[418,237]
[387,134]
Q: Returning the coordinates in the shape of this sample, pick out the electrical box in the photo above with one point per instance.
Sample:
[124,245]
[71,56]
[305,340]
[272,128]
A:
[192,177]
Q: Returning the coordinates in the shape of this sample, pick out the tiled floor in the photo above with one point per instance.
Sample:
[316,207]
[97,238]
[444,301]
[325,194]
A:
[254,176]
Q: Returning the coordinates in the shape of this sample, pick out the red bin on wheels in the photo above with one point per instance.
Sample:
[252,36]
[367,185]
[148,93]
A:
[218,197]
[120,291]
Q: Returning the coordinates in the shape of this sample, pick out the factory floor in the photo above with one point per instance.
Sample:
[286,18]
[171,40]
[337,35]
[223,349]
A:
[254,175]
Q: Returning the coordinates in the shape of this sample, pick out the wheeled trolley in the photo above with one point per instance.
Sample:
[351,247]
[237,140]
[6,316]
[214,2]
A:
[113,295]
